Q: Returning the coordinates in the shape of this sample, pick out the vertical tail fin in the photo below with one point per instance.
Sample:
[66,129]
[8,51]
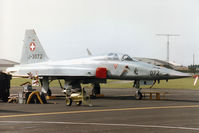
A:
[33,51]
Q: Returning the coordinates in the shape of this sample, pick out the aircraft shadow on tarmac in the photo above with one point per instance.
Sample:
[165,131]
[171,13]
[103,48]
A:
[134,98]
[118,98]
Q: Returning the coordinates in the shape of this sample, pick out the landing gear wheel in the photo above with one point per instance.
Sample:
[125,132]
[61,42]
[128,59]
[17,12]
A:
[69,101]
[78,103]
[138,95]
[43,98]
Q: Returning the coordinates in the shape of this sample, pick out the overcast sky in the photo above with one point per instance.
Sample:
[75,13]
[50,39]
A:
[66,28]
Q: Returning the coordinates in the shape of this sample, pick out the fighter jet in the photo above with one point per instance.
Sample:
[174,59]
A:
[93,69]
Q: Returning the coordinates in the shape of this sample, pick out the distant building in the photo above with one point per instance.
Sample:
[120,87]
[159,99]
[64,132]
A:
[6,63]
[194,68]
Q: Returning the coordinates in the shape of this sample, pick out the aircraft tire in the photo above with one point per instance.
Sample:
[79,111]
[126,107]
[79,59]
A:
[69,101]
[138,95]
[43,98]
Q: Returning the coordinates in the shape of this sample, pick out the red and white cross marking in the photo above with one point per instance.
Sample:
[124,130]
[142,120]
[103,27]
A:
[32,46]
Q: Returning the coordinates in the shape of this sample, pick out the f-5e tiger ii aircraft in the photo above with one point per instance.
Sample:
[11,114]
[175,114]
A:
[93,69]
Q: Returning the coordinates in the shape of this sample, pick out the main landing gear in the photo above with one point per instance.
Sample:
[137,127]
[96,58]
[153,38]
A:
[138,94]
[45,86]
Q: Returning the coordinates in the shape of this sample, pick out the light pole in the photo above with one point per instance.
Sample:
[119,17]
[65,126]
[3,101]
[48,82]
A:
[168,35]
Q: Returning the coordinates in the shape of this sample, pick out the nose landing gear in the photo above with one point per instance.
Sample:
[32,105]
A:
[138,94]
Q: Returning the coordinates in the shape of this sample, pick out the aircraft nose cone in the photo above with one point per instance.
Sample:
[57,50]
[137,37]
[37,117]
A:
[176,74]
[180,74]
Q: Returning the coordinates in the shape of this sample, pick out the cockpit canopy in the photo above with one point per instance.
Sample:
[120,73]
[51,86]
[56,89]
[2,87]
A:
[114,56]
[118,56]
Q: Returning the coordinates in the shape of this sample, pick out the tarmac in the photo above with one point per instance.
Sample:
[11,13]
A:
[118,111]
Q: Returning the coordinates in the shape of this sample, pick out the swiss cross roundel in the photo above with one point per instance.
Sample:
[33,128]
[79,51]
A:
[32,46]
